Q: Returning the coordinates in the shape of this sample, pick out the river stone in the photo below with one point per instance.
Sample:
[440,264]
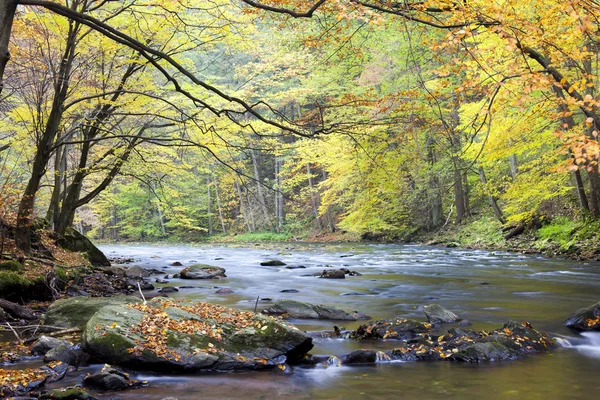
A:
[437,314]
[333,274]
[202,271]
[135,271]
[70,393]
[273,263]
[76,311]
[361,357]
[108,378]
[510,341]
[397,328]
[70,355]
[224,291]
[201,336]
[300,310]
[585,319]
[45,344]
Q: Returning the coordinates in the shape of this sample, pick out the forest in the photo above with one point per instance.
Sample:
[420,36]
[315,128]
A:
[324,199]
[143,121]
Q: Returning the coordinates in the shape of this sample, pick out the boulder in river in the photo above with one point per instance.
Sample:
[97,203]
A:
[510,341]
[169,336]
[585,319]
[273,263]
[110,378]
[361,357]
[300,310]
[70,393]
[70,355]
[76,311]
[437,314]
[135,271]
[396,328]
[45,344]
[333,274]
[202,271]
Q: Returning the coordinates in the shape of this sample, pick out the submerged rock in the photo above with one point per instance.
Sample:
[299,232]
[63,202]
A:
[224,291]
[585,319]
[175,337]
[202,271]
[437,314]
[300,310]
[273,263]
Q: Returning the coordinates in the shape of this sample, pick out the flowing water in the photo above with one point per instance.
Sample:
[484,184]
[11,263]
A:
[485,287]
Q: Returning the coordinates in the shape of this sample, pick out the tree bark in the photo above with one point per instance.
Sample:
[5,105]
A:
[44,144]
[492,199]
[259,190]
[7,15]
[313,200]
[209,206]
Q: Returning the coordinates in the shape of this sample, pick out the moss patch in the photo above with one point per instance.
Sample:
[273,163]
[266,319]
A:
[11,266]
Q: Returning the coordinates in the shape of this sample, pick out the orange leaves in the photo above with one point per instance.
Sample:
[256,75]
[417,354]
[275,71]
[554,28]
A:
[15,378]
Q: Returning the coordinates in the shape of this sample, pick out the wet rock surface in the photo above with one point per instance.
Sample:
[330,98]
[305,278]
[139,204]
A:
[202,271]
[437,314]
[510,341]
[585,319]
[110,378]
[176,337]
[300,310]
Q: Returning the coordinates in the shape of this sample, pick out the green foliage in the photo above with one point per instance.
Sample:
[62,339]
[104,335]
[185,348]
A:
[262,237]
[11,266]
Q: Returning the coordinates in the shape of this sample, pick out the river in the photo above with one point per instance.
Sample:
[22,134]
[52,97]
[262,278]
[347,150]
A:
[485,287]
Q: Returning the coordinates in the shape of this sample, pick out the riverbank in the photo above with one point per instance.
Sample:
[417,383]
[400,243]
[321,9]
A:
[561,237]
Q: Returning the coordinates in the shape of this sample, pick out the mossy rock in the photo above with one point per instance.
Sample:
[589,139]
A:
[13,286]
[76,311]
[117,335]
[70,393]
[11,266]
[75,241]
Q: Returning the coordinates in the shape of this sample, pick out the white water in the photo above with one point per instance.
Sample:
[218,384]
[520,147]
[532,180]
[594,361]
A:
[588,343]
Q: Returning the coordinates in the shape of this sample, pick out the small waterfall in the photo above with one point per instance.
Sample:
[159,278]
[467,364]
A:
[333,361]
[588,343]
[382,357]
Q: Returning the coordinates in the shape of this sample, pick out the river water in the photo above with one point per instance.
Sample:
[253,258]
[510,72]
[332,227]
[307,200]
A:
[485,287]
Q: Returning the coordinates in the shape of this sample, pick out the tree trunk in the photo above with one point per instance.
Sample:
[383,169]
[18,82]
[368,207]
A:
[209,207]
[459,195]
[512,160]
[53,207]
[259,189]
[218,198]
[44,144]
[492,199]
[567,122]
[242,206]
[7,15]
[313,200]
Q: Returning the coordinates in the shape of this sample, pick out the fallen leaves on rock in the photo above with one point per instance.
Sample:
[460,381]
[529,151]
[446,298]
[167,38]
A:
[212,320]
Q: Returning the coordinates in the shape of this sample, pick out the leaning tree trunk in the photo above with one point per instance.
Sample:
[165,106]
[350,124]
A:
[45,142]
[7,15]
